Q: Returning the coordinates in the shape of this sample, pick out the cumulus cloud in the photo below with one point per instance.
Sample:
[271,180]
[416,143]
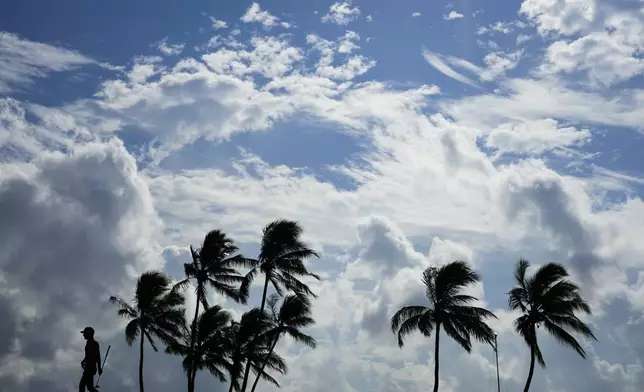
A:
[453,15]
[341,13]
[169,49]
[607,57]
[559,16]
[218,24]
[22,61]
[254,14]
[93,219]
[535,137]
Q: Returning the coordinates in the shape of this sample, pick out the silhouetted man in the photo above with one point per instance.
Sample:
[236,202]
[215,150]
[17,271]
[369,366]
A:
[91,362]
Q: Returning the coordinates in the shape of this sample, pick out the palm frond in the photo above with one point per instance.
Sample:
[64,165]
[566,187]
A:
[573,323]
[405,313]
[453,277]
[564,337]
[520,272]
[456,331]
[132,331]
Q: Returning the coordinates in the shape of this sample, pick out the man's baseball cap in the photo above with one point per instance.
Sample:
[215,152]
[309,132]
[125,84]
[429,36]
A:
[88,330]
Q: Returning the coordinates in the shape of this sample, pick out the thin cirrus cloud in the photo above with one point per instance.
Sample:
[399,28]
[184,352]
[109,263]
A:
[497,64]
[24,61]
[435,61]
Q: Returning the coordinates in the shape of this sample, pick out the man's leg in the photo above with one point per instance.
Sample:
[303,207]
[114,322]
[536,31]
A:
[87,380]
[90,383]
[82,383]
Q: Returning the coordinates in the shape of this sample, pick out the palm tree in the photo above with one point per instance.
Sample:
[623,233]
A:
[154,311]
[281,260]
[250,344]
[295,313]
[547,298]
[213,265]
[210,346]
[448,310]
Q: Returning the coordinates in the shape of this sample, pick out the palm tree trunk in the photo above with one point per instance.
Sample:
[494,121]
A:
[264,294]
[436,350]
[193,334]
[261,370]
[248,362]
[194,376]
[531,372]
[141,361]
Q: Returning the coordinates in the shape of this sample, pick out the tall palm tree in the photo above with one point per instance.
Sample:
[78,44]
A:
[448,310]
[156,310]
[281,260]
[250,344]
[210,350]
[213,265]
[293,314]
[547,298]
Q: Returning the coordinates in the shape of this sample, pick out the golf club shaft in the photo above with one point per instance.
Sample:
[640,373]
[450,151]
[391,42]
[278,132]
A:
[104,360]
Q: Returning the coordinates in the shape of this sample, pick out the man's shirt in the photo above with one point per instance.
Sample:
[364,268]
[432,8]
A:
[92,355]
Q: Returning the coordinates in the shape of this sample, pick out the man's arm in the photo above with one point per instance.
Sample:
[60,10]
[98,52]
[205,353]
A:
[97,357]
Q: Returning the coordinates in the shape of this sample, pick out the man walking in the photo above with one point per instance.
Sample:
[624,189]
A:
[91,362]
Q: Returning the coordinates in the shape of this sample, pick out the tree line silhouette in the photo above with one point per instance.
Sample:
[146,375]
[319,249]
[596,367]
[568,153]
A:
[230,349]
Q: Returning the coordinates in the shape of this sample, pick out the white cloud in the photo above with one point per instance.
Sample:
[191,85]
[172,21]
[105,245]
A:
[500,27]
[559,16]
[254,14]
[435,61]
[530,99]
[169,49]
[22,61]
[534,137]
[94,220]
[498,63]
[453,15]
[218,24]
[347,42]
[341,13]
[523,38]
[608,56]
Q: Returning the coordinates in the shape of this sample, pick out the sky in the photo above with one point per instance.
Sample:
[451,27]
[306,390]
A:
[399,134]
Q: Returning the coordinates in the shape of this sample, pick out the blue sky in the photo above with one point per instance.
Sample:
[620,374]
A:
[400,134]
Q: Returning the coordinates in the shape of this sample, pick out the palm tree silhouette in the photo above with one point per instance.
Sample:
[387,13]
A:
[550,299]
[281,260]
[154,311]
[210,349]
[295,313]
[250,344]
[448,310]
[213,265]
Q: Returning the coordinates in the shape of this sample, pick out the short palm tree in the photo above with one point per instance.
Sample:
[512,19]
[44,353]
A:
[210,350]
[156,310]
[213,266]
[448,310]
[281,260]
[250,344]
[293,314]
[547,298]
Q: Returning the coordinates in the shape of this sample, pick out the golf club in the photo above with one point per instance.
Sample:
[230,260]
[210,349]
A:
[103,367]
